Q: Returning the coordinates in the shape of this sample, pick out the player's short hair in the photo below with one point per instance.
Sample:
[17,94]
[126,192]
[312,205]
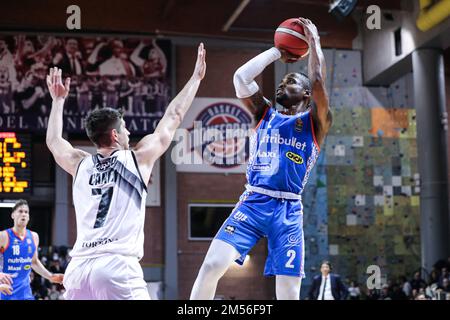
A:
[328,263]
[99,124]
[303,79]
[19,203]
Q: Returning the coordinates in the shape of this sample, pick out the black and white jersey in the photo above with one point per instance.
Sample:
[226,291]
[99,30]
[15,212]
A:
[109,198]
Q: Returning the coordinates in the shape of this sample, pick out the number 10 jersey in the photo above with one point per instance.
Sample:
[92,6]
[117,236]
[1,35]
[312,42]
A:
[109,197]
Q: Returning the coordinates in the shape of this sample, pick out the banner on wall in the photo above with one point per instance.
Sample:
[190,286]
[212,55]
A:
[131,74]
[214,137]
[154,186]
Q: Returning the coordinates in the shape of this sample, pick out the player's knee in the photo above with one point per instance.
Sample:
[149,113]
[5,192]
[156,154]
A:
[213,266]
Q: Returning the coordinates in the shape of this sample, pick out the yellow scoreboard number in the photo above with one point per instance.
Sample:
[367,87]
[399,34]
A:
[15,155]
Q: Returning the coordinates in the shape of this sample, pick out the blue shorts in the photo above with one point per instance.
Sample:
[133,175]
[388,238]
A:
[281,221]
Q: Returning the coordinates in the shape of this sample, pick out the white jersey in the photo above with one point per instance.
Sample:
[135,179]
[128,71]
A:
[109,198]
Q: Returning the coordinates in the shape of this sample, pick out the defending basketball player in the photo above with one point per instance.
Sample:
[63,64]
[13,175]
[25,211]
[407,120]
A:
[18,250]
[109,192]
[283,151]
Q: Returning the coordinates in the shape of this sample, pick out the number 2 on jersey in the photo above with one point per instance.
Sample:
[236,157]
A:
[103,207]
[291,255]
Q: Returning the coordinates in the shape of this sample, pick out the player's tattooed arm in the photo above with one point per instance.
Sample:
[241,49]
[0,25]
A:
[317,75]
[66,156]
[152,146]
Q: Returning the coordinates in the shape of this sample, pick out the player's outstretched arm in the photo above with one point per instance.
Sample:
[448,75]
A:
[66,156]
[247,90]
[317,75]
[152,146]
[39,268]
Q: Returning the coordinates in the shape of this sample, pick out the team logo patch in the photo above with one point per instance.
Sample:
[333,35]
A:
[27,267]
[294,239]
[294,157]
[298,125]
[29,241]
[230,229]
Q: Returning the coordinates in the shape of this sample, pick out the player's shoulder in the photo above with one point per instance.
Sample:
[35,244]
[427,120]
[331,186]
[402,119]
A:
[34,234]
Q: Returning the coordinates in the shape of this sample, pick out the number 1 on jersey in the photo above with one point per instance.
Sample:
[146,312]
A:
[103,207]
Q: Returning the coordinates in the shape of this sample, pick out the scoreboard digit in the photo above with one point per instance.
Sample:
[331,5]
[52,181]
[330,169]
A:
[15,163]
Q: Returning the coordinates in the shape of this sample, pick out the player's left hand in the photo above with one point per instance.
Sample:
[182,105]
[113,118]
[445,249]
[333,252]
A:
[200,65]
[5,289]
[57,278]
[57,89]
[309,28]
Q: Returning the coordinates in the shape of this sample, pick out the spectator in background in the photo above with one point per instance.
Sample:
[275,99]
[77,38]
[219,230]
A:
[372,294]
[397,292]
[70,61]
[445,286]
[444,275]
[406,286]
[354,291]
[385,293]
[417,282]
[327,286]
[421,296]
[434,277]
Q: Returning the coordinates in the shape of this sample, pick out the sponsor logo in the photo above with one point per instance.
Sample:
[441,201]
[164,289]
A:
[20,260]
[97,242]
[294,157]
[13,268]
[278,139]
[239,216]
[223,130]
[294,239]
[30,250]
[261,167]
[104,165]
[298,125]
[230,229]
[266,154]
[27,267]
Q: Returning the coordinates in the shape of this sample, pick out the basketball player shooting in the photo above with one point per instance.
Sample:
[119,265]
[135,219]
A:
[271,206]
[109,191]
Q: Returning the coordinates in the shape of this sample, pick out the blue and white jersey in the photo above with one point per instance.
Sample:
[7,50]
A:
[283,151]
[17,258]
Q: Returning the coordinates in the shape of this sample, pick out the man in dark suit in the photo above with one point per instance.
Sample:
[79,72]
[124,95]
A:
[327,286]
[70,61]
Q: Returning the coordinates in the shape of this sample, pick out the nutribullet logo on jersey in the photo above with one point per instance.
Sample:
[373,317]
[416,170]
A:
[223,133]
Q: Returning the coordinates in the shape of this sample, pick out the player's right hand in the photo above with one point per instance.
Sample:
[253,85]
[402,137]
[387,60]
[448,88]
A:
[5,289]
[57,89]
[5,279]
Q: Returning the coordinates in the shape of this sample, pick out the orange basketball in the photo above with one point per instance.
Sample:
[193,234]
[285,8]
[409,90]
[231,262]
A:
[290,36]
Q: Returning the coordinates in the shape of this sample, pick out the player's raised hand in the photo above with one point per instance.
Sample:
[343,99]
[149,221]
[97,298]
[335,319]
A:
[309,28]
[5,289]
[200,65]
[57,89]
[57,278]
